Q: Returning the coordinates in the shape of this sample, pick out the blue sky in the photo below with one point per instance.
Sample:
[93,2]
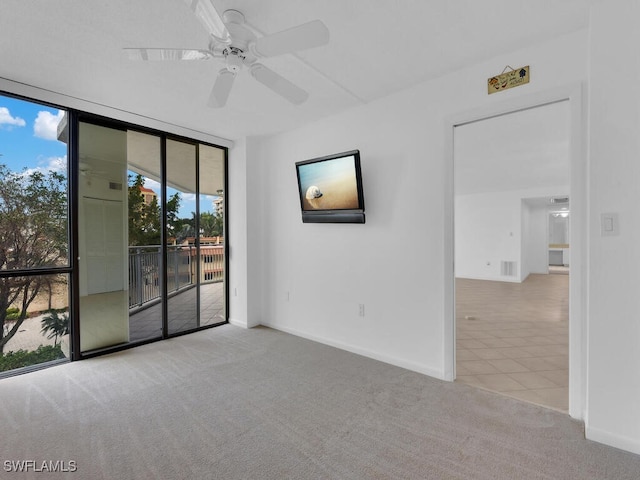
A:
[187,200]
[28,134]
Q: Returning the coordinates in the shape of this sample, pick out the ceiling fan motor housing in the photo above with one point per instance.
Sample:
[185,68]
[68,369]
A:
[234,59]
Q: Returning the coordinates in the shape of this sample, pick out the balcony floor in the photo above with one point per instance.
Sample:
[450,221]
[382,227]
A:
[147,323]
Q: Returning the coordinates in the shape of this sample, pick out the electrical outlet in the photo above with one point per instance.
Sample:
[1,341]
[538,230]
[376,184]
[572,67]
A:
[286,296]
[361,310]
[235,292]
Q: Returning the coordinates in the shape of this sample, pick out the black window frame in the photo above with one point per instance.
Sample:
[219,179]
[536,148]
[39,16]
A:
[74,117]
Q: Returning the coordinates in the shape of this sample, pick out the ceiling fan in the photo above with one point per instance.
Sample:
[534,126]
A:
[87,170]
[234,42]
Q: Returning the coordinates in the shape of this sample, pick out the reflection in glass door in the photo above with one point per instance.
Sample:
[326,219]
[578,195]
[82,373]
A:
[102,217]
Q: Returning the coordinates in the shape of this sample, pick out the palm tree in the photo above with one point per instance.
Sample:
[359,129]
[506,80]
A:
[55,325]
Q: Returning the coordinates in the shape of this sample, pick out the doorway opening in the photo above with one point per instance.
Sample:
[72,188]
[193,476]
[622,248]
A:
[512,185]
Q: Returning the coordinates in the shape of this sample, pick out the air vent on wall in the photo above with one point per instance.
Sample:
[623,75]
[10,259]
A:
[557,200]
[508,268]
[115,186]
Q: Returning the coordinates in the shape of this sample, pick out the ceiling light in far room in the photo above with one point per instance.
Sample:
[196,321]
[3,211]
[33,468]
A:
[564,213]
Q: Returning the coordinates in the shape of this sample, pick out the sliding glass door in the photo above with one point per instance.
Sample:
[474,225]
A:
[111,235]
[195,236]
[149,236]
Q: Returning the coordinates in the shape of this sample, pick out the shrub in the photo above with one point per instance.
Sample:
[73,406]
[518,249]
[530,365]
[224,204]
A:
[24,358]
[12,313]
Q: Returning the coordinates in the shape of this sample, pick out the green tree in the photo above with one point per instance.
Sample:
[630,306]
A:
[210,224]
[55,325]
[184,228]
[33,234]
[207,224]
[144,219]
[173,223]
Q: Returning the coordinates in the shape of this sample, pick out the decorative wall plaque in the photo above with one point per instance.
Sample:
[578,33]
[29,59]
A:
[507,80]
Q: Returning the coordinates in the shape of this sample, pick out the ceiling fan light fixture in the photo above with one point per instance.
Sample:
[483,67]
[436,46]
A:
[233,16]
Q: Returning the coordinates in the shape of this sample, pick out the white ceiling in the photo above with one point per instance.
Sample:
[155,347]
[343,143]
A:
[377,47]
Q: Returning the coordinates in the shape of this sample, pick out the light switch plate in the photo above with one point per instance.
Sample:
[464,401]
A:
[609,224]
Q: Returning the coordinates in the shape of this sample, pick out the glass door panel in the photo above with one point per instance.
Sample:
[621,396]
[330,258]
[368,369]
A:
[182,248]
[144,198]
[102,219]
[211,235]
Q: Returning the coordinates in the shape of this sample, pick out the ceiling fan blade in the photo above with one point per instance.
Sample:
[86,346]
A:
[278,84]
[163,54]
[210,19]
[221,89]
[307,35]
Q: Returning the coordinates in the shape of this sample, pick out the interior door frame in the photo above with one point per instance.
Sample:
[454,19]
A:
[575,95]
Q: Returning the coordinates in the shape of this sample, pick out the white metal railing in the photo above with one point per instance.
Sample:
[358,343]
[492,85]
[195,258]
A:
[144,269]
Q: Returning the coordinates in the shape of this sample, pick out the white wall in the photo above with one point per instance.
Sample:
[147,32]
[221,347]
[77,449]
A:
[490,228]
[613,394]
[236,237]
[394,264]
[487,232]
[259,194]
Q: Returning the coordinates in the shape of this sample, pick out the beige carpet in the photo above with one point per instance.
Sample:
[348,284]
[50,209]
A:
[229,403]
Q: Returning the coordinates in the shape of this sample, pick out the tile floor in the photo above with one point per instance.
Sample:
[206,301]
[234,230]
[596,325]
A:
[513,338]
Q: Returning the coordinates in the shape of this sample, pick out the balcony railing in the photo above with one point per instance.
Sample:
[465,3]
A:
[182,268]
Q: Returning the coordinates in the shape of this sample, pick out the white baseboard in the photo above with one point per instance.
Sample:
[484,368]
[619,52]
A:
[492,278]
[623,443]
[398,362]
[238,323]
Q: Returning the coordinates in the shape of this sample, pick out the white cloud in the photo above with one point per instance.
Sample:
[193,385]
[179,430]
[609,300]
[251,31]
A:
[51,164]
[7,119]
[46,125]
[57,164]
